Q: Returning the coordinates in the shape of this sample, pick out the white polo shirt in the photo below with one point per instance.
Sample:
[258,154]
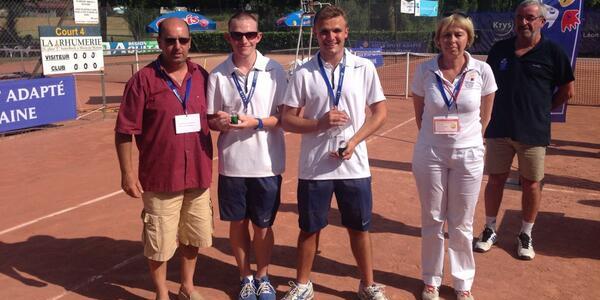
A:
[479,81]
[361,87]
[248,152]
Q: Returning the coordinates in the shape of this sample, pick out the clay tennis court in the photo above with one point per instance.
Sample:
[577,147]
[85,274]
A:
[68,232]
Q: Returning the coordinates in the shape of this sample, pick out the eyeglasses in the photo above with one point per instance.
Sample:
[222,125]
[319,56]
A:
[529,18]
[236,35]
[182,40]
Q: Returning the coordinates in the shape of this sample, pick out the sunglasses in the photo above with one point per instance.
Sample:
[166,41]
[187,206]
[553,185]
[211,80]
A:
[236,35]
[182,40]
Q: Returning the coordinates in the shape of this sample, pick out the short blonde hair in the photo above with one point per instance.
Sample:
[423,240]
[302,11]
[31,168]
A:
[455,20]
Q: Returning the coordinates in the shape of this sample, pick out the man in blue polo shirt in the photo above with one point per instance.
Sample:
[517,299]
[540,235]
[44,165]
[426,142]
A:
[528,69]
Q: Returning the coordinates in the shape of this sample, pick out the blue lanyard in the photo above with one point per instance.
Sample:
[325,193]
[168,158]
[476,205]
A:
[338,93]
[174,88]
[245,99]
[454,94]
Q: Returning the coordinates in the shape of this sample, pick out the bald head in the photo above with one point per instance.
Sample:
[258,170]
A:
[172,23]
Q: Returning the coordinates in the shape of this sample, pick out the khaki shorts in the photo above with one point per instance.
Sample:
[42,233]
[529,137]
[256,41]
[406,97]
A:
[501,151]
[169,218]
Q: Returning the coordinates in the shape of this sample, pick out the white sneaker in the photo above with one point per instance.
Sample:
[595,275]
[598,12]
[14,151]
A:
[525,247]
[430,293]
[298,293]
[486,240]
[464,295]
[372,292]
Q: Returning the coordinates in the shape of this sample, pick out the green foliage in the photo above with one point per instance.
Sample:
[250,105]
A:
[214,41]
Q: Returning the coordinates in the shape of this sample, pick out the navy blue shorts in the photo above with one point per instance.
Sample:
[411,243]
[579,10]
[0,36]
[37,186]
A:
[256,199]
[354,199]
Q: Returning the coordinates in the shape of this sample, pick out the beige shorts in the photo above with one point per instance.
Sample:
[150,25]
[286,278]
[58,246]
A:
[172,218]
[501,151]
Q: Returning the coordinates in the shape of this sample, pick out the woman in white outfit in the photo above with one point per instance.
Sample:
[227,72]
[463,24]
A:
[453,96]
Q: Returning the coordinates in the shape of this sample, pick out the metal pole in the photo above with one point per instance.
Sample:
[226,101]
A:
[407,74]
[137,61]
[103,88]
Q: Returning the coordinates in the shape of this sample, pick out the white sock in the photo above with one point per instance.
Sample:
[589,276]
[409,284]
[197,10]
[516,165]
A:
[490,222]
[526,228]
[249,277]
[302,286]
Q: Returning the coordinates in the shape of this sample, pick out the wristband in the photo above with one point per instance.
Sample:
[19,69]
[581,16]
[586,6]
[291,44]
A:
[260,124]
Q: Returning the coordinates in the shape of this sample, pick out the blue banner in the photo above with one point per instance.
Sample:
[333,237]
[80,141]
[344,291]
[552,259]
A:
[415,46]
[29,103]
[563,24]
[372,54]
[590,37]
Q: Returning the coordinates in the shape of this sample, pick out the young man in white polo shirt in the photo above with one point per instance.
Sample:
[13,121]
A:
[333,90]
[243,97]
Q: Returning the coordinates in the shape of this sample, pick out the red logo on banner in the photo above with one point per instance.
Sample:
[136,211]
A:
[570,20]
[203,23]
[191,19]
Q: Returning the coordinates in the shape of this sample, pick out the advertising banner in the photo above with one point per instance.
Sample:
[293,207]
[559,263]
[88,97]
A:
[71,49]
[29,103]
[426,8]
[126,48]
[563,25]
[372,54]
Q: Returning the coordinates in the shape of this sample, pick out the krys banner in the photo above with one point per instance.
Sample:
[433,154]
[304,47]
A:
[29,103]
[563,24]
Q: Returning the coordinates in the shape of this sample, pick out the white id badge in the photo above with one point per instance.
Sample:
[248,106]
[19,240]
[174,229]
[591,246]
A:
[445,125]
[187,123]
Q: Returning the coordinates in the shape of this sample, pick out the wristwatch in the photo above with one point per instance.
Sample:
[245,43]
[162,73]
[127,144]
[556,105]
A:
[260,124]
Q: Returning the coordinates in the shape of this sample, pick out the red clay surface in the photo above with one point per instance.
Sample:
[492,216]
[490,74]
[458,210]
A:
[67,232]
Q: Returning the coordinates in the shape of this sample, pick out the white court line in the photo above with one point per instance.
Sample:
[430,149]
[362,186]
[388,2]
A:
[60,212]
[96,277]
[129,260]
[391,129]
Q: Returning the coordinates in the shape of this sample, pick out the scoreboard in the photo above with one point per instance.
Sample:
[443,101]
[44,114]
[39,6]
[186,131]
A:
[71,49]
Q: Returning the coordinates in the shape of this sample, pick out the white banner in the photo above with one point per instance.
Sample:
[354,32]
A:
[85,11]
[407,7]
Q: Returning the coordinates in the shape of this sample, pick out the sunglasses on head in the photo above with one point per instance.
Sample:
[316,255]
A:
[456,12]
[236,35]
[182,40]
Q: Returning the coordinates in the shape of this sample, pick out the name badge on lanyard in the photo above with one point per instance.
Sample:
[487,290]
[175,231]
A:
[245,98]
[183,123]
[448,124]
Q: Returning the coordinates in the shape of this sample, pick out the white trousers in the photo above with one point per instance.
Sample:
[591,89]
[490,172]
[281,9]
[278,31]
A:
[448,181]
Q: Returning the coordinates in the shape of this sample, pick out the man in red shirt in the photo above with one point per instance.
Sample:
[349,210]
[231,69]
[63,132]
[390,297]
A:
[164,107]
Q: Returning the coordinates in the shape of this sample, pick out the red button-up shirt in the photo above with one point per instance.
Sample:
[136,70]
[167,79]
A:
[168,162]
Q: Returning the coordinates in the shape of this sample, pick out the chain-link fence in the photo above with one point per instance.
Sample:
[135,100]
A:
[20,46]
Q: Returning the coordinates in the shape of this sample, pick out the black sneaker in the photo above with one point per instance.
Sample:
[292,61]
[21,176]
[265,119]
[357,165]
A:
[486,240]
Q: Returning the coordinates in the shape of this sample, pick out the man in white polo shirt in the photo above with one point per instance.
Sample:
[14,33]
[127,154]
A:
[243,97]
[333,90]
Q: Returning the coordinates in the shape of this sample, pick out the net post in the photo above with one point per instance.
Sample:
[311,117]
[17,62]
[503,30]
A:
[407,74]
